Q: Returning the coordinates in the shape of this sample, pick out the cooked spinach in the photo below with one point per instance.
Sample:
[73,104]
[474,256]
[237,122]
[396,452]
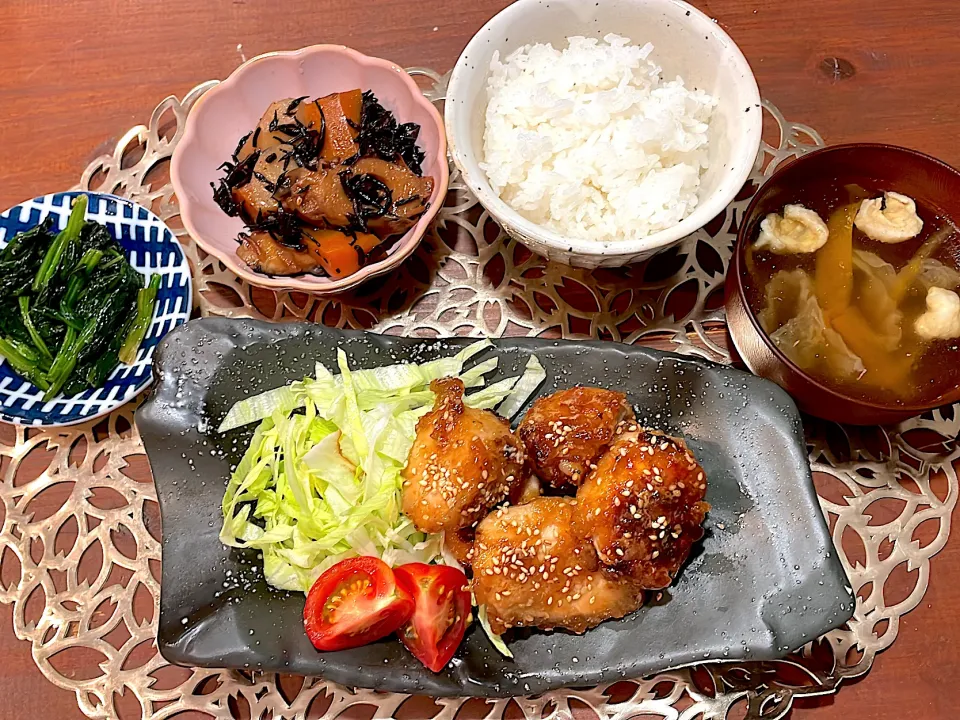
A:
[71,306]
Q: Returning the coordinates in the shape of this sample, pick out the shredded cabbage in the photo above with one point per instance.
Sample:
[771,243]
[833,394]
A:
[321,478]
[526,385]
[495,640]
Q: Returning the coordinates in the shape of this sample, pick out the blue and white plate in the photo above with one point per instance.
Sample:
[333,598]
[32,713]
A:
[152,249]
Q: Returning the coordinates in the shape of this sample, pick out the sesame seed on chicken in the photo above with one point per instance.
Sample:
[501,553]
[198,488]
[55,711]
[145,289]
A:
[555,562]
[566,432]
[463,462]
[459,543]
[532,569]
[643,506]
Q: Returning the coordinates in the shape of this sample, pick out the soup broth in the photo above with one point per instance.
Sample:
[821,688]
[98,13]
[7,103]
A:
[846,313]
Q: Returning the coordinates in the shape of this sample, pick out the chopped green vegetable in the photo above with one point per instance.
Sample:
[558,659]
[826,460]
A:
[24,302]
[51,261]
[21,259]
[321,478]
[91,258]
[533,376]
[69,354]
[146,299]
[76,284]
[24,360]
[393,382]
[68,303]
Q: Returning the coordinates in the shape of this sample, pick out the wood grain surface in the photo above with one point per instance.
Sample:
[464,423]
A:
[76,74]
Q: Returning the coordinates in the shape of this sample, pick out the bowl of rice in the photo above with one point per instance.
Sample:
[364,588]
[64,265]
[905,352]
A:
[600,133]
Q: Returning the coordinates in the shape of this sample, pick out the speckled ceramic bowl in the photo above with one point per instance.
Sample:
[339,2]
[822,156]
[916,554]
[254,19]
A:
[234,107]
[686,42]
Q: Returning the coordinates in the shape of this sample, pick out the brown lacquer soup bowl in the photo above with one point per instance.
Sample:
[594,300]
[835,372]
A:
[936,188]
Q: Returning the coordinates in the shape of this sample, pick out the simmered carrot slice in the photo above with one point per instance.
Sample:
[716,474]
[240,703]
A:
[339,254]
[341,116]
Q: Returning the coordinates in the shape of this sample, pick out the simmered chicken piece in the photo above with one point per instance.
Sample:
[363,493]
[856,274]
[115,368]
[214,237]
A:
[643,506]
[256,197]
[319,198]
[332,120]
[278,123]
[339,255]
[566,433]
[262,252]
[408,194]
[532,569]
[463,462]
[388,195]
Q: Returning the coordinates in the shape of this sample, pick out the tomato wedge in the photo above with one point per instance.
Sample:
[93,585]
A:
[442,609]
[354,603]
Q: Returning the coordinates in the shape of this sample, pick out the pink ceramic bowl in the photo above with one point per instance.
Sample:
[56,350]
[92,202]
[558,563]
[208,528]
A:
[233,108]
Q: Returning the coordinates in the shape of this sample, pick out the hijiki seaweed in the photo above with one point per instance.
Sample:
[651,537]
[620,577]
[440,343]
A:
[371,198]
[305,142]
[236,173]
[380,135]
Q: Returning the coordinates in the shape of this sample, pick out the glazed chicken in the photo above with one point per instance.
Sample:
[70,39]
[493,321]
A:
[463,462]
[643,506]
[532,569]
[459,543]
[566,433]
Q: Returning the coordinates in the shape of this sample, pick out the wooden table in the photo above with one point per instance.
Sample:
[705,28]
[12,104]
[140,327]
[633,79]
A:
[75,75]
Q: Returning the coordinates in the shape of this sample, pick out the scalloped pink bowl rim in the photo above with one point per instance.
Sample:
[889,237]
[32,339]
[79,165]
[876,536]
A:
[316,285]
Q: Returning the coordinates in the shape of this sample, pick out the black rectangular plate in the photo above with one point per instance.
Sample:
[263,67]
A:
[764,581]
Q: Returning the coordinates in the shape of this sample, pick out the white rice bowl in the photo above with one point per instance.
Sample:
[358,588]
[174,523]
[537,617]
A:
[590,142]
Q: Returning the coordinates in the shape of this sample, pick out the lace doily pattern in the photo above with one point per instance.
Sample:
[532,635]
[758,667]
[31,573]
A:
[79,543]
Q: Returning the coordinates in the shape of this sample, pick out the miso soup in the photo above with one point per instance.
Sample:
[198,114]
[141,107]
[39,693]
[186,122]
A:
[847,312]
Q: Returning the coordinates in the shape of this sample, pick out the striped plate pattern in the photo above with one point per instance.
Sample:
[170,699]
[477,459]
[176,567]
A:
[152,249]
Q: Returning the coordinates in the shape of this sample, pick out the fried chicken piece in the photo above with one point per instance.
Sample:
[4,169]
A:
[531,569]
[460,544]
[463,462]
[643,506]
[567,432]
[528,491]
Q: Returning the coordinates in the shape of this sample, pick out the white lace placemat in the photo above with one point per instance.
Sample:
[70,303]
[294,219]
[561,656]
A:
[79,549]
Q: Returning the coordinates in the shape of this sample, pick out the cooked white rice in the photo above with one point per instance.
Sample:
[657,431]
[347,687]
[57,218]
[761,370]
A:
[591,142]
